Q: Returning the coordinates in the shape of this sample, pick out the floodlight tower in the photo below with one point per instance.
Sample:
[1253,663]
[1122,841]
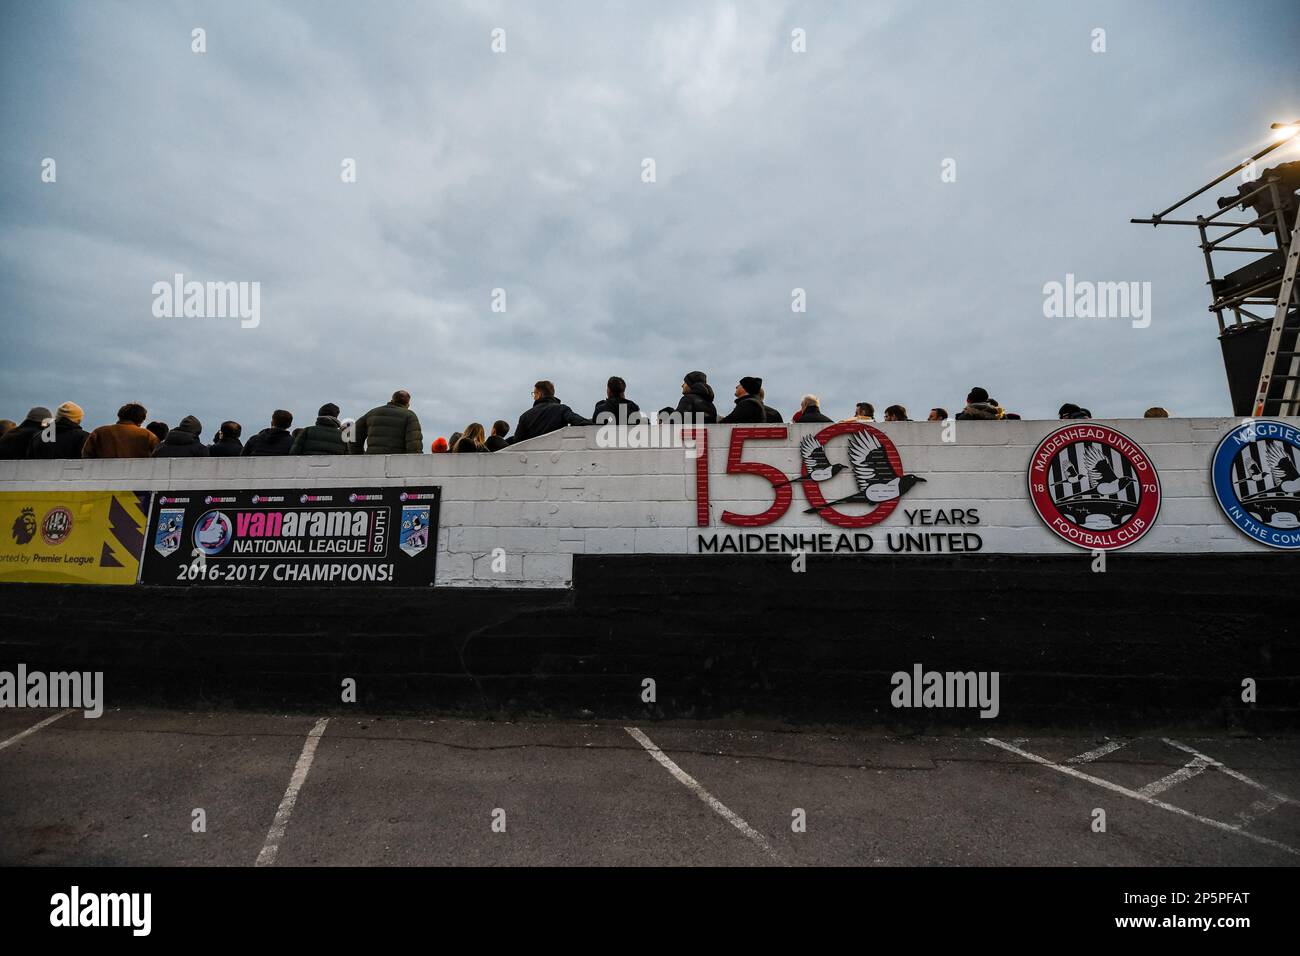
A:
[1261,354]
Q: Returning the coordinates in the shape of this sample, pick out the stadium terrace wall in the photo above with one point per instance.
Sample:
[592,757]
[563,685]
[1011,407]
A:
[617,564]
[560,495]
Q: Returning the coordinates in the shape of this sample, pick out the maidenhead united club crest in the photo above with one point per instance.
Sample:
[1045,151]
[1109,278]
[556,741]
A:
[1256,476]
[1094,487]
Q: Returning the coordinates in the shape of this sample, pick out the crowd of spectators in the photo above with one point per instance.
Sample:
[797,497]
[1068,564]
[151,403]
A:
[394,428]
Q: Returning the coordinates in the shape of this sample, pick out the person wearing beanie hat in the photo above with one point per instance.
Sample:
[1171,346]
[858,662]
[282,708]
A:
[323,438]
[16,443]
[749,407]
[696,404]
[65,439]
[183,441]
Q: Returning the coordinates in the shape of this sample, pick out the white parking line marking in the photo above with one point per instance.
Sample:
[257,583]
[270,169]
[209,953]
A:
[1101,751]
[1273,794]
[692,785]
[1150,801]
[276,833]
[1260,808]
[35,727]
[1194,767]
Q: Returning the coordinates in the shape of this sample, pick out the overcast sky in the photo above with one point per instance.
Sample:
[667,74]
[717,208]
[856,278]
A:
[523,170]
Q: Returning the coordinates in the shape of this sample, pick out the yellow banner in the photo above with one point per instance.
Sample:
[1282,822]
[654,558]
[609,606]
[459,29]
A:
[64,537]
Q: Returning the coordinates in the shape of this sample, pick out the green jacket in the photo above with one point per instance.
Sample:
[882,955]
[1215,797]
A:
[389,430]
[323,438]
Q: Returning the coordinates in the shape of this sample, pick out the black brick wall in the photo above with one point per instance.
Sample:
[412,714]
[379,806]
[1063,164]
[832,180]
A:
[1155,638]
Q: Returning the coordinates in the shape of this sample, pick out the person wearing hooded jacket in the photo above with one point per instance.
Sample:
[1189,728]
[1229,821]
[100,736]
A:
[749,407]
[183,441]
[979,408]
[69,436]
[323,438]
[697,400]
[276,440]
[16,442]
[548,414]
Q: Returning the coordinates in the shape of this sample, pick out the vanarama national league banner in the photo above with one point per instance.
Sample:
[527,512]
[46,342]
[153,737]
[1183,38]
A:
[72,537]
[284,537]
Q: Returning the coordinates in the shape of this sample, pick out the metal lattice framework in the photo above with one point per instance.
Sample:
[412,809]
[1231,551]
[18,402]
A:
[1267,282]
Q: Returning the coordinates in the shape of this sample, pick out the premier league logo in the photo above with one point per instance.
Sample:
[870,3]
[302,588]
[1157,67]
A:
[1094,487]
[1256,476]
[167,539]
[212,533]
[414,536]
[24,528]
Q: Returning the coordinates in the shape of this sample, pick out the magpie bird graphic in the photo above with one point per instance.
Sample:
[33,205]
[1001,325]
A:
[1283,468]
[1252,474]
[875,476]
[1102,472]
[1071,476]
[816,463]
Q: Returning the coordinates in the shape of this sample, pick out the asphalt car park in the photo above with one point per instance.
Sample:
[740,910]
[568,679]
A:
[234,788]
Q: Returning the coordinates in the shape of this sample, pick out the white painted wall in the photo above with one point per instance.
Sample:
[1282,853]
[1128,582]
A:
[547,499]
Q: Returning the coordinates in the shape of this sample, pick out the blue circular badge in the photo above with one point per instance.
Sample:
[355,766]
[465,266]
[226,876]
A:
[1256,475]
[212,532]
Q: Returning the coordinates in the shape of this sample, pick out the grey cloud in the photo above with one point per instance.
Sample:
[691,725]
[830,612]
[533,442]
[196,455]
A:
[775,170]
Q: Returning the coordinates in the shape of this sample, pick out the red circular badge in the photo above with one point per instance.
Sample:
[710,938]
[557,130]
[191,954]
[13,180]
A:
[1094,487]
[56,525]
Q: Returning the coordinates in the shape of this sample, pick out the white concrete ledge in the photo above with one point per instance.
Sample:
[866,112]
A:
[544,500]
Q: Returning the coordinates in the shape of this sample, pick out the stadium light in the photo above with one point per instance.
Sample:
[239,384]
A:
[1284,131]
